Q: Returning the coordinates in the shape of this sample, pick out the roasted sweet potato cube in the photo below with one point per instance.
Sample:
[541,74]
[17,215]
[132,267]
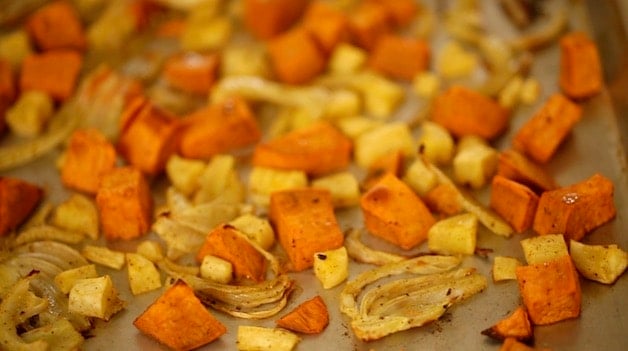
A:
[8,91]
[295,56]
[310,317]
[290,210]
[317,149]
[517,325]
[56,26]
[218,128]
[395,213]
[179,320]
[514,202]
[550,290]
[18,199]
[516,166]
[401,12]
[443,199]
[54,72]
[124,203]
[267,18]
[225,242]
[400,57]
[466,112]
[541,135]
[192,73]
[368,23]
[512,344]
[580,66]
[576,209]
[89,155]
[327,24]
[149,139]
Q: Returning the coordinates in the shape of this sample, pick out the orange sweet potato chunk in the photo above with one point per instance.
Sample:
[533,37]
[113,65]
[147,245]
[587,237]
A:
[541,135]
[327,24]
[56,26]
[179,320]
[580,66]
[305,224]
[512,344]
[400,57]
[576,209]
[368,22]
[393,212]
[516,166]
[124,203]
[295,56]
[463,111]
[310,317]
[550,290]
[317,149]
[88,157]
[18,199]
[54,72]
[219,128]
[401,12]
[192,73]
[517,325]
[514,202]
[443,199]
[267,18]
[8,91]
[225,242]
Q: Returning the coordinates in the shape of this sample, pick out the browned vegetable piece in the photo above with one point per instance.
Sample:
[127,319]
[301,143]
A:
[310,317]
[512,344]
[179,320]
[305,224]
[192,73]
[517,325]
[368,22]
[8,91]
[54,72]
[225,242]
[577,209]
[580,66]
[391,162]
[400,12]
[395,213]
[327,24]
[514,202]
[541,135]
[400,57]
[516,166]
[18,199]
[267,18]
[443,199]
[56,26]
[550,290]
[295,56]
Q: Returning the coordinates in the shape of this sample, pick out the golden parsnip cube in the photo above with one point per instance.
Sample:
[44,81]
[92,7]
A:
[251,338]
[263,181]
[426,84]
[601,263]
[104,256]
[257,229]
[544,248]
[142,273]
[344,188]
[220,180]
[30,114]
[78,214]
[504,268]
[376,143]
[207,34]
[14,47]
[150,249]
[347,59]
[530,91]
[244,60]
[355,126]
[184,173]
[455,62]
[381,96]
[436,143]
[95,297]
[331,267]
[420,178]
[474,165]
[66,279]
[510,95]
[454,235]
[216,269]
[342,103]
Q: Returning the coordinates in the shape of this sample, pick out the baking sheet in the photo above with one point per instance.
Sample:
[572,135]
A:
[594,146]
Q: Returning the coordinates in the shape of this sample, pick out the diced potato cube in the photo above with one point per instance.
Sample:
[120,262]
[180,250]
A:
[355,126]
[66,279]
[220,180]
[257,229]
[454,235]
[216,269]
[381,141]
[142,273]
[436,143]
[14,47]
[344,188]
[510,95]
[347,59]
[150,249]
[426,84]
[206,35]
[331,267]
[78,214]
[530,91]
[601,263]
[252,338]
[420,178]
[343,103]
[103,256]
[544,248]
[184,173]
[29,115]
[263,181]
[95,297]
[244,60]
[504,268]
[455,62]
[475,165]
[381,96]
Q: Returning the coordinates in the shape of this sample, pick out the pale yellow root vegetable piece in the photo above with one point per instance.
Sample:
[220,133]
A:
[420,178]
[426,84]
[530,91]
[510,95]
[355,126]
[331,267]
[252,338]
[104,256]
[381,96]
[95,297]
[504,268]
[206,34]
[14,47]
[342,103]
[150,249]
[256,228]
[347,59]
[184,173]
[216,269]
[474,163]
[220,180]
[142,273]
[30,114]
[436,143]
[455,62]
[264,181]
[381,141]
[344,188]
[78,214]
[244,60]
[544,248]
[454,235]
[601,263]
[66,279]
